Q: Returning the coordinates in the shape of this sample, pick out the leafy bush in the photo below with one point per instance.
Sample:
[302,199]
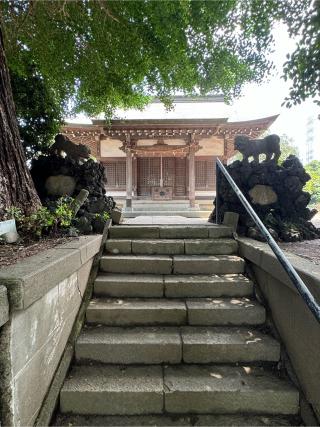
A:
[313,186]
[45,220]
[104,215]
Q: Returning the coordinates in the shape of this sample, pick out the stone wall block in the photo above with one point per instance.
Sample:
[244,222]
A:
[298,329]
[4,306]
[38,374]
[30,329]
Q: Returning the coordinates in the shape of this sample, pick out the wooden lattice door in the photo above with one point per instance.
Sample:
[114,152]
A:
[205,174]
[168,172]
[180,177]
[148,174]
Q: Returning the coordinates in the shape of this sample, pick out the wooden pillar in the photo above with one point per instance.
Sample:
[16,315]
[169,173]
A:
[135,176]
[128,178]
[192,179]
[225,150]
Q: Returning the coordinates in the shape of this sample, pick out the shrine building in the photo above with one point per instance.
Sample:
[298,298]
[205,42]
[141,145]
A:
[165,159]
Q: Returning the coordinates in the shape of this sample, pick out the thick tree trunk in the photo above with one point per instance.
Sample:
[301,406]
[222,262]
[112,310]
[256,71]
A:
[16,185]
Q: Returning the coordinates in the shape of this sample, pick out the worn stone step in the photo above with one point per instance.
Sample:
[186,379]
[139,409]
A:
[208,264]
[116,312]
[172,286]
[227,390]
[200,285]
[113,390]
[146,246]
[176,264]
[129,285]
[225,311]
[201,311]
[176,420]
[155,345]
[194,231]
[180,389]
[142,345]
[169,231]
[134,232]
[208,246]
[150,264]
[221,246]
[227,345]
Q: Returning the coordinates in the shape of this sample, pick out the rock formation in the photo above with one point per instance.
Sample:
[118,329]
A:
[55,176]
[276,193]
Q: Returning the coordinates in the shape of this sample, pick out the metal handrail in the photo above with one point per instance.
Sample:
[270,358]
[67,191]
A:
[295,278]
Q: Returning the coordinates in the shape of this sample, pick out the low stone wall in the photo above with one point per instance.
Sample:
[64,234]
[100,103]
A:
[4,306]
[299,330]
[45,292]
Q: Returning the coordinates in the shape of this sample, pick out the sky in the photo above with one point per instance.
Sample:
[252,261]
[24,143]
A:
[257,100]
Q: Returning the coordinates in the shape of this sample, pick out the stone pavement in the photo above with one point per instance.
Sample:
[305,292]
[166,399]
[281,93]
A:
[164,220]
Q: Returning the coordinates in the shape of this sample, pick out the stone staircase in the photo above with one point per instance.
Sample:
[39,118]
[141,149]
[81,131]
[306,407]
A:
[174,336]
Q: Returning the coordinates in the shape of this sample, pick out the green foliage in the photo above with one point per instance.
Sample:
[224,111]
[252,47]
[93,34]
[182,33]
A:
[38,111]
[303,65]
[100,55]
[104,216]
[313,186]
[64,211]
[44,220]
[287,147]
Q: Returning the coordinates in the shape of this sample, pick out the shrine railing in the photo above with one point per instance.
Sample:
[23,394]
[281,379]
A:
[307,296]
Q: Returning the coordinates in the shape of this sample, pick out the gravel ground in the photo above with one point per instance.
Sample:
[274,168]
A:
[309,249]
[10,254]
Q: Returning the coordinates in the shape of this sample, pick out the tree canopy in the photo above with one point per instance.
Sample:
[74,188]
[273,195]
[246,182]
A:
[303,65]
[313,186]
[96,55]
[39,114]
[287,147]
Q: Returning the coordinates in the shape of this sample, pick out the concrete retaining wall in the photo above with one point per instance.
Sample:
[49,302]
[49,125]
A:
[45,292]
[299,330]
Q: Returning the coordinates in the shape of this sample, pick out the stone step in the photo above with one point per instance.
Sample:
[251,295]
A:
[212,231]
[171,286]
[200,285]
[143,264]
[225,311]
[206,311]
[209,264]
[221,246]
[129,285]
[185,213]
[116,312]
[227,390]
[118,390]
[176,420]
[173,345]
[177,264]
[142,345]
[113,390]
[227,345]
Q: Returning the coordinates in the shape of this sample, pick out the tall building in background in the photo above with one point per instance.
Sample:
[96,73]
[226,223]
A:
[312,147]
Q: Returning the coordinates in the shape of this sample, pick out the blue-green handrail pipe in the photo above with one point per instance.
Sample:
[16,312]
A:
[301,287]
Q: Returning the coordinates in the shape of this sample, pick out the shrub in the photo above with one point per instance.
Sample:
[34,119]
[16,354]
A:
[46,220]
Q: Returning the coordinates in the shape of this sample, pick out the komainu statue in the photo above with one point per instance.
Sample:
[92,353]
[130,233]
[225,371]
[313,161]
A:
[270,146]
[75,151]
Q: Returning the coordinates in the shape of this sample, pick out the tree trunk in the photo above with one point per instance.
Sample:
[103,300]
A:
[16,185]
